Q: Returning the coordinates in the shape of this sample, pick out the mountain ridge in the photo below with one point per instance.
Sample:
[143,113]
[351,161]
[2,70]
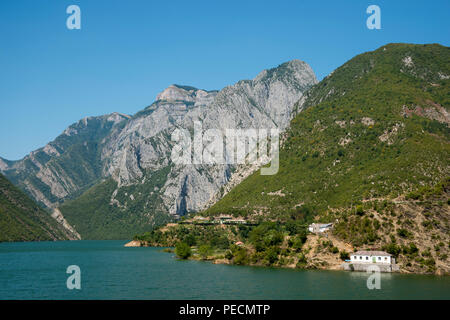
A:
[124,154]
[39,173]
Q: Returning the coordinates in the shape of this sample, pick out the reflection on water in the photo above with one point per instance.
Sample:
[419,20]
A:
[360,276]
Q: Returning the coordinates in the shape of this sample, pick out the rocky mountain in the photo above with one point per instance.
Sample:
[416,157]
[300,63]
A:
[115,172]
[143,144]
[369,153]
[66,166]
[21,219]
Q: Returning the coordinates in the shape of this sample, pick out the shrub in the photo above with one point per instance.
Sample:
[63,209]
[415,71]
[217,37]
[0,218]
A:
[190,240]
[229,255]
[426,253]
[220,241]
[344,255]
[240,257]
[334,250]
[204,251]
[402,233]
[272,254]
[412,249]
[183,250]
[301,261]
[429,262]
[297,243]
[359,210]
[393,249]
[414,195]
[265,235]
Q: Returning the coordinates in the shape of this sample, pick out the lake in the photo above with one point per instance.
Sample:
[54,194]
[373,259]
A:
[37,270]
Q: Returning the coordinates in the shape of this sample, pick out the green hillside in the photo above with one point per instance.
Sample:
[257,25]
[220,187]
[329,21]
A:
[369,152]
[23,220]
[95,216]
[375,127]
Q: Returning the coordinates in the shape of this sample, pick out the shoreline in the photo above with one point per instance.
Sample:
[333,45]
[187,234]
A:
[224,261]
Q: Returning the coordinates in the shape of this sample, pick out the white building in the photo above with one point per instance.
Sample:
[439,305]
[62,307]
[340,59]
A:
[319,227]
[372,257]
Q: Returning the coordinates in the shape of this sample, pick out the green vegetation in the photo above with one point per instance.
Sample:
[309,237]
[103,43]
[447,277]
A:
[412,231]
[95,216]
[21,219]
[266,244]
[183,250]
[356,139]
[212,236]
[205,251]
[359,231]
[344,255]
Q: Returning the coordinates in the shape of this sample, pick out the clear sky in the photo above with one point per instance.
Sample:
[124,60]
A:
[129,50]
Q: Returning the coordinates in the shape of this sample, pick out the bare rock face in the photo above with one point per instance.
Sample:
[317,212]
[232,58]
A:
[133,243]
[135,151]
[72,234]
[144,143]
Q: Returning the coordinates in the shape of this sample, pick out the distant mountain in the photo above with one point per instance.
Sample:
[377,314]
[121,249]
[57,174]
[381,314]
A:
[114,172]
[21,219]
[66,166]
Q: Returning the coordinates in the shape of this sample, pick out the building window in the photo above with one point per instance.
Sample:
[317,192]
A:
[379,258]
[367,258]
[385,258]
[360,258]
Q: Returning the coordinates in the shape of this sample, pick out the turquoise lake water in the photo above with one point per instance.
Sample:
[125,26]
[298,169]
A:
[37,270]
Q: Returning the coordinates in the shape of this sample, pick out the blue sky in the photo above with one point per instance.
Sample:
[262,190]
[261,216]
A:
[128,51]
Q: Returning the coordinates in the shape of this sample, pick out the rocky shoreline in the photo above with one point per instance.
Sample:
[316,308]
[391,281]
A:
[134,243]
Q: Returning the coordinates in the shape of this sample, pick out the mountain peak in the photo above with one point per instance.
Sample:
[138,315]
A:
[117,117]
[293,69]
[176,92]
[293,63]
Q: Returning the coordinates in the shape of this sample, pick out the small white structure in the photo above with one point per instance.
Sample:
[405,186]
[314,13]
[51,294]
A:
[237,221]
[319,227]
[200,218]
[380,257]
